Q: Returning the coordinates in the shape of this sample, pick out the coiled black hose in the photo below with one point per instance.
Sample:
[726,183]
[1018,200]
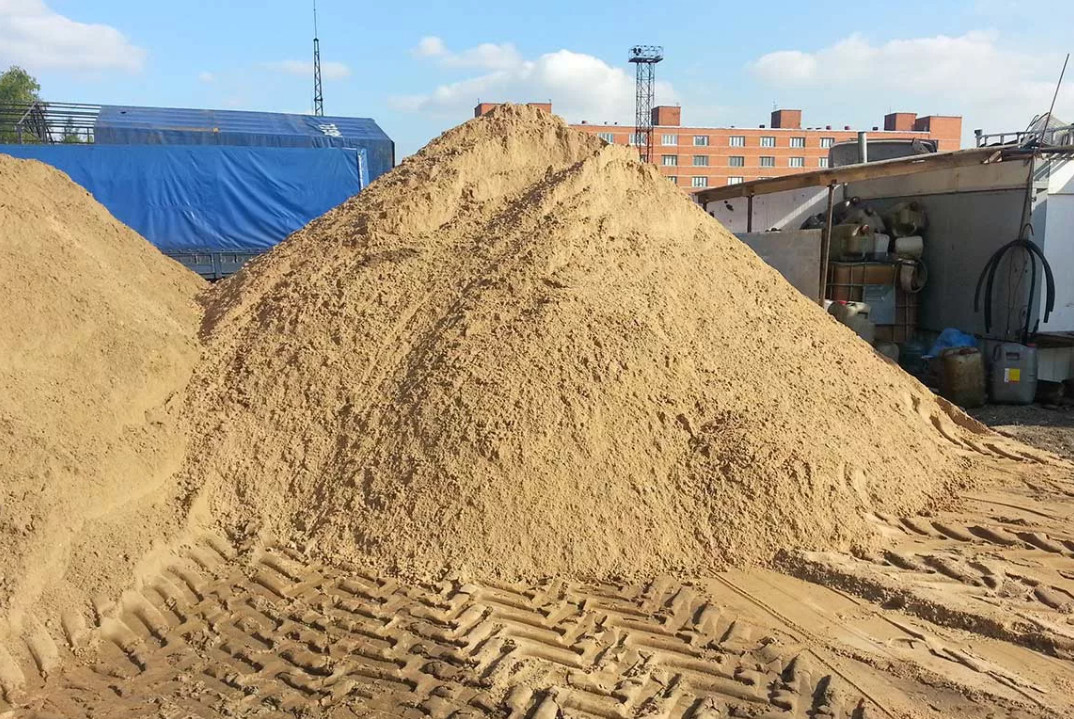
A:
[988,276]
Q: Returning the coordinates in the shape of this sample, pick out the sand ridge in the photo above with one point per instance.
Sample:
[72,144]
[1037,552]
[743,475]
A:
[99,336]
[523,353]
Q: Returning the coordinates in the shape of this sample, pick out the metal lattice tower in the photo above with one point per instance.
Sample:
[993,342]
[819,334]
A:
[645,58]
[318,93]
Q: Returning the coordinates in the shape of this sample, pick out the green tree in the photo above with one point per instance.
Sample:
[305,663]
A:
[70,134]
[18,89]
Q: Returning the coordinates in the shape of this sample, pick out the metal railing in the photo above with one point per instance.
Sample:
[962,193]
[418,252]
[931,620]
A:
[48,122]
[1055,135]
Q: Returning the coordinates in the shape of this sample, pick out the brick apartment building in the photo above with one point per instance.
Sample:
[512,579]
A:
[698,157]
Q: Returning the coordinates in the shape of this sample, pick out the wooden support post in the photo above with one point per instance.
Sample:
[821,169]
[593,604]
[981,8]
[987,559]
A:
[826,245]
[749,213]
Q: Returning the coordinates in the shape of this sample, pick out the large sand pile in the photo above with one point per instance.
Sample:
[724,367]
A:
[524,353]
[98,332]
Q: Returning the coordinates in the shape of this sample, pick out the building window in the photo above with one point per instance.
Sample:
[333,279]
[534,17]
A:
[737,140]
[607,137]
[674,179]
[669,160]
[823,162]
[827,141]
[637,138]
[669,140]
[699,182]
[701,140]
[768,141]
[797,162]
[765,177]
[736,161]
[701,160]
[797,142]
[768,161]
[734,180]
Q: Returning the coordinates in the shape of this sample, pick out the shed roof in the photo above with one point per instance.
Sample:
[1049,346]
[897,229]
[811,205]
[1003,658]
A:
[128,124]
[855,173]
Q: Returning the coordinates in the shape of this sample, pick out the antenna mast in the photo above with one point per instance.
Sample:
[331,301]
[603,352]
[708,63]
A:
[645,57]
[318,93]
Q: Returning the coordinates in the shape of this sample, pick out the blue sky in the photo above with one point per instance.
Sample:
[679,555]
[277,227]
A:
[418,68]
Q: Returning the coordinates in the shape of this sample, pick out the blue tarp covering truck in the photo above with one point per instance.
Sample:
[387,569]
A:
[214,188]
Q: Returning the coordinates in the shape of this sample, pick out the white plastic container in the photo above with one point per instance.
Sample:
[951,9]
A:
[1014,374]
[912,247]
[881,245]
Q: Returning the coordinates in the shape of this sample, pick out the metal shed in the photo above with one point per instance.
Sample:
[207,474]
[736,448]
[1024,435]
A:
[132,125]
[974,199]
[211,188]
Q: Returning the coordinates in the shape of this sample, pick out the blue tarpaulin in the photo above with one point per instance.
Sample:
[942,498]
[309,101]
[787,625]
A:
[130,125]
[190,198]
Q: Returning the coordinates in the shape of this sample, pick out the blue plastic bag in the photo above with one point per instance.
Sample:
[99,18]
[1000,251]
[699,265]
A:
[951,338]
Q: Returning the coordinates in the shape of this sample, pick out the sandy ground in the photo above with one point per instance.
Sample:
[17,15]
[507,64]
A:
[960,613]
[959,604]
[1049,429]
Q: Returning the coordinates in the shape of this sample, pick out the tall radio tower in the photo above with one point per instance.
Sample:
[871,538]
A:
[645,58]
[318,94]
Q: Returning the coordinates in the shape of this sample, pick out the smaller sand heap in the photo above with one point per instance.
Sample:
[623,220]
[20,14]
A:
[522,354]
[98,336]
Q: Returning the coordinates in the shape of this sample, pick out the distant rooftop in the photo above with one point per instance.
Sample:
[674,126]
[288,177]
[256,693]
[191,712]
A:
[130,124]
[120,123]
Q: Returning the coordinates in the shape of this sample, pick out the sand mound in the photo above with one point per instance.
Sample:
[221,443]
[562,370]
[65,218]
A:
[524,353]
[97,333]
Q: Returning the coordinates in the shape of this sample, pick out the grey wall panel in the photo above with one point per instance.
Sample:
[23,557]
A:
[795,254]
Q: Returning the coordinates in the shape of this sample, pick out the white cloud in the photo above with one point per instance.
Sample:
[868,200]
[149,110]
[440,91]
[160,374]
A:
[579,86]
[430,46]
[486,56]
[36,36]
[971,75]
[206,77]
[304,68]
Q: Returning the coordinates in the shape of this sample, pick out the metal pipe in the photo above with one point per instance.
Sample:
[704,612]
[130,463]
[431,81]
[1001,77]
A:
[749,214]
[1048,120]
[863,147]
[826,245]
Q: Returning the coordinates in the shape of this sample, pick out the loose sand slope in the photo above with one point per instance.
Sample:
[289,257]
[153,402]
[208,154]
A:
[523,353]
[97,334]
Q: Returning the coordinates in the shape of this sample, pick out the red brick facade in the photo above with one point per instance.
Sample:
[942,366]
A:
[700,157]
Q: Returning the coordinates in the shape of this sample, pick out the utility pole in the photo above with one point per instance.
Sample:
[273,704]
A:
[318,93]
[645,57]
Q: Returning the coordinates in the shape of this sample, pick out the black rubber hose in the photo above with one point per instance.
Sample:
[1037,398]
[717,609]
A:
[1032,288]
[993,266]
[986,299]
[988,277]
[1049,303]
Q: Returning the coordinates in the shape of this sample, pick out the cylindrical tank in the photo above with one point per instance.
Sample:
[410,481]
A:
[1014,373]
[963,381]
[854,315]
[843,310]
[910,247]
[906,218]
[911,358]
[851,241]
[863,326]
[864,215]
